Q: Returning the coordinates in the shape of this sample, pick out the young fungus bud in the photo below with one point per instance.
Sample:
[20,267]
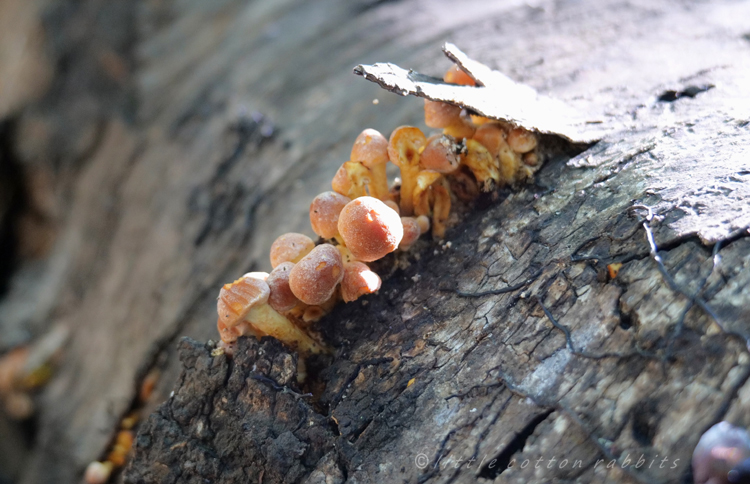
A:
[393,205]
[98,472]
[441,154]
[441,115]
[412,231]
[290,247]
[341,183]
[281,298]
[370,229]
[455,75]
[358,281]
[324,213]
[314,278]
[521,140]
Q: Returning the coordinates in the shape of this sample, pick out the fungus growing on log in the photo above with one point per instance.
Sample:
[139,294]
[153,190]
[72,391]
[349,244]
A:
[314,278]
[403,150]
[324,213]
[358,281]
[290,247]
[370,228]
[371,149]
[363,216]
[281,298]
[243,307]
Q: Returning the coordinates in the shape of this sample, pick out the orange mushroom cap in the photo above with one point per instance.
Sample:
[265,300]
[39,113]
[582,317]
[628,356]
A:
[290,247]
[456,75]
[358,281]
[237,298]
[341,183]
[412,231]
[314,278]
[441,154]
[235,302]
[370,228]
[521,140]
[441,115]
[370,148]
[282,298]
[324,213]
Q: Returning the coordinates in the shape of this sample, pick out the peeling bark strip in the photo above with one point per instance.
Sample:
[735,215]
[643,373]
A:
[496,96]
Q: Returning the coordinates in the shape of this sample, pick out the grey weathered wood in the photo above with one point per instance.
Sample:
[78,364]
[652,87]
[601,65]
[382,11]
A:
[164,209]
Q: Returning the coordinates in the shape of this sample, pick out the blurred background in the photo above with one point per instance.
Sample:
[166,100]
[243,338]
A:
[149,152]
[152,150]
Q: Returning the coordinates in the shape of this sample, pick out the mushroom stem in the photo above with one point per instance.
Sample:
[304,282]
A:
[371,149]
[442,207]
[408,186]
[422,191]
[379,182]
[404,148]
[264,319]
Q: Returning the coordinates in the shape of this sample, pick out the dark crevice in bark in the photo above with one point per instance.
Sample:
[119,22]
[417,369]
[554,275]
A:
[515,445]
[221,199]
[13,202]
[690,91]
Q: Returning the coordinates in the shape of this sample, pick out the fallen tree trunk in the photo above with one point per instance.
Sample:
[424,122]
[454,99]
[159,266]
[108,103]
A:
[511,344]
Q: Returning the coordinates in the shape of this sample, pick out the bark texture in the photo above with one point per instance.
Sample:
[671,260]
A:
[168,184]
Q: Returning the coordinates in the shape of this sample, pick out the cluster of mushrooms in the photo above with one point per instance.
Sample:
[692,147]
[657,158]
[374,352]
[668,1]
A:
[363,219]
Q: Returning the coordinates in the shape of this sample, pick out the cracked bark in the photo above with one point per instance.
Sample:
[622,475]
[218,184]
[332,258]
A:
[492,377]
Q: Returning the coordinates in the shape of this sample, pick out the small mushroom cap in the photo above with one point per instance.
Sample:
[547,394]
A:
[236,299]
[370,228]
[358,281]
[424,223]
[441,154]
[531,159]
[324,213]
[370,148]
[393,205]
[441,115]
[341,182]
[404,145]
[314,278]
[521,140]
[412,231]
[98,472]
[719,450]
[282,298]
[290,247]
[491,136]
[455,75]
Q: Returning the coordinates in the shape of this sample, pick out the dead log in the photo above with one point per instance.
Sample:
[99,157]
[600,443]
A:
[447,369]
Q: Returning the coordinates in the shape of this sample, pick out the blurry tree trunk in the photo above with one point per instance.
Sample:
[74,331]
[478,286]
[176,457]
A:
[168,183]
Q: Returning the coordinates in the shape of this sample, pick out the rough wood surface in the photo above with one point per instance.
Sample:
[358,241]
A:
[171,187]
